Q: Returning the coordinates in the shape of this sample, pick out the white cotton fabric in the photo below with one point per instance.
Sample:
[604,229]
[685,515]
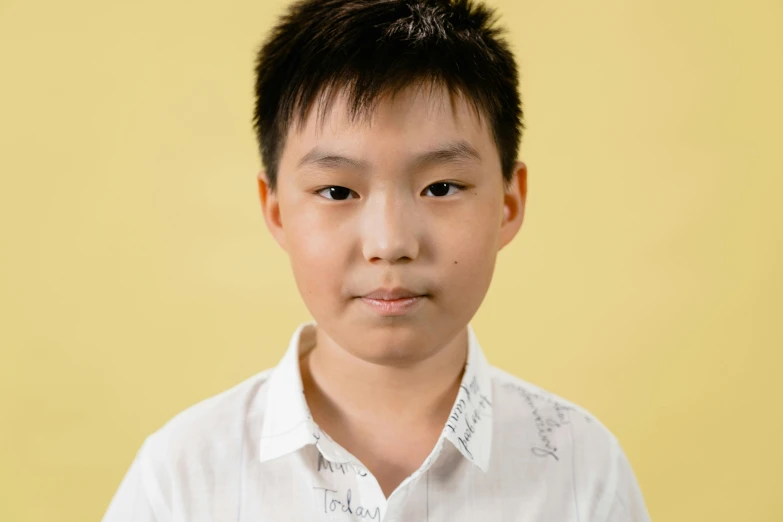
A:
[510,451]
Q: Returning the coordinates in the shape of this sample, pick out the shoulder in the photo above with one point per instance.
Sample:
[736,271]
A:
[568,444]
[551,420]
[196,451]
[514,390]
[212,427]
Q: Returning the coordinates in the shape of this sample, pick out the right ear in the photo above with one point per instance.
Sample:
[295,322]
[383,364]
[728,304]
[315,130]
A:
[270,207]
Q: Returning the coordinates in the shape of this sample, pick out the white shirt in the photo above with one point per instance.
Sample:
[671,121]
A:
[510,451]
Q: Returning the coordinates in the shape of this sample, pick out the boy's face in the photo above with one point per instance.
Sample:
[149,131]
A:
[390,221]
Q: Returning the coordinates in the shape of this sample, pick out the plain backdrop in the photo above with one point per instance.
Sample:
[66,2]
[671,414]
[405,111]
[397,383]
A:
[137,276]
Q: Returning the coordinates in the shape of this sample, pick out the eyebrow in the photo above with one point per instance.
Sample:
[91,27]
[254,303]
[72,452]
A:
[454,152]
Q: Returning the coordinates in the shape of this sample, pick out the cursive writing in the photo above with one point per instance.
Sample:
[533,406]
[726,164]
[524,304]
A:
[332,503]
[324,464]
[471,421]
[544,426]
[469,410]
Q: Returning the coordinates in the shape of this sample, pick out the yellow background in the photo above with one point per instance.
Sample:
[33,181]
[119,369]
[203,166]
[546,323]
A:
[645,285]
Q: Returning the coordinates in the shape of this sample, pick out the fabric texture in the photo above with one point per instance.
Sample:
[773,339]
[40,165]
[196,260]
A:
[510,451]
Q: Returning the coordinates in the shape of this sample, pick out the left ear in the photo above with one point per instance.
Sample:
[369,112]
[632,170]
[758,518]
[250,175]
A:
[513,205]
[270,207]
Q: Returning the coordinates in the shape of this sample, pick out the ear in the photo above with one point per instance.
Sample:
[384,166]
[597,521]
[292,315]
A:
[271,209]
[513,205]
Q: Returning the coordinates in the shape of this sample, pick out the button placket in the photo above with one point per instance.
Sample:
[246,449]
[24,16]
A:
[396,502]
[371,494]
[355,493]
[340,494]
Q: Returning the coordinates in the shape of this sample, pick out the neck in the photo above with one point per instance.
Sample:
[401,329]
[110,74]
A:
[340,385]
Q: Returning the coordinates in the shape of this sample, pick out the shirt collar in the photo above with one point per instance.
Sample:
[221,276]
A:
[289,426]
[469,426]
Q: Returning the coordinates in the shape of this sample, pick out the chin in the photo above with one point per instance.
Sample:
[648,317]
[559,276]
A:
[397,343]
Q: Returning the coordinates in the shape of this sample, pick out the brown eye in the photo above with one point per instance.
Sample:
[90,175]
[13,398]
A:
[336,193]
[441,188]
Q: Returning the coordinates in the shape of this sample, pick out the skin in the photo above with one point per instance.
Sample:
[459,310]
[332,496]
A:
[383,387]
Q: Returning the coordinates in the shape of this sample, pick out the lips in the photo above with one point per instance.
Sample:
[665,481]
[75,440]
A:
[390,294]
[393,307]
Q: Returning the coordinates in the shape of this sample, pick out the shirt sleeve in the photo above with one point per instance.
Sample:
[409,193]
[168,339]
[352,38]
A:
[139,497]
[628,503]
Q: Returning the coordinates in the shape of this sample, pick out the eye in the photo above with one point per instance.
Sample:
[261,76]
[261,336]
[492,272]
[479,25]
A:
[441,188]
[337,193]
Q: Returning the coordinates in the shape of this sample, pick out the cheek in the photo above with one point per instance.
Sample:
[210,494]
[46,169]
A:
[471,257]
[314,249]
[466,277]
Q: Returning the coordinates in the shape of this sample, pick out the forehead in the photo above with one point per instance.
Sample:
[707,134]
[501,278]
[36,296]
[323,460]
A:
[397,125]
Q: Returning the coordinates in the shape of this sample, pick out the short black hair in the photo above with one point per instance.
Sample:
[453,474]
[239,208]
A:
[375,47]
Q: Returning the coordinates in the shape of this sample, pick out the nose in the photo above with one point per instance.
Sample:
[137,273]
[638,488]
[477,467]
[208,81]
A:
[390,229]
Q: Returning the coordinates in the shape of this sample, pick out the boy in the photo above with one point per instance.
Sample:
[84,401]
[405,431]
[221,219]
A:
[389,133]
